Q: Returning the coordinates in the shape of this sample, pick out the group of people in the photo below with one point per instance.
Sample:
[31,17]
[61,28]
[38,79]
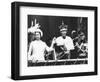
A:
[60,46]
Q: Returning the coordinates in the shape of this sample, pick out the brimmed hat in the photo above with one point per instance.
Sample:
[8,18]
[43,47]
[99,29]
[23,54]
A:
[32,29]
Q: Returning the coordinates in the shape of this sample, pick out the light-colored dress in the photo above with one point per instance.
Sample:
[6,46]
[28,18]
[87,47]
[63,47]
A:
[37,48]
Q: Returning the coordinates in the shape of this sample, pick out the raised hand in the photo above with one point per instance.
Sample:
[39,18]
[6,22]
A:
[54,40]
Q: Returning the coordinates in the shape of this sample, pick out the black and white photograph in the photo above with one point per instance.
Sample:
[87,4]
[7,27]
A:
[57,40]
[53,40]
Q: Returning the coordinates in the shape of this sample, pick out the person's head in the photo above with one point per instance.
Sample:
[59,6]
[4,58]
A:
[63,32]
[38,34]
[63,29]
[82,36]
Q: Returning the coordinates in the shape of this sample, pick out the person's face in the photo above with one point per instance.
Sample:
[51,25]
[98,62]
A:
[37,36]
[63,33]
[82,37]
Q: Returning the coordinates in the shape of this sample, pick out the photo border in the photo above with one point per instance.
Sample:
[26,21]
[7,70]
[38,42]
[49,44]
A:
[15,40]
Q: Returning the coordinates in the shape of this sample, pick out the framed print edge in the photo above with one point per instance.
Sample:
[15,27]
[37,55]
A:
[96,40]
[15,41]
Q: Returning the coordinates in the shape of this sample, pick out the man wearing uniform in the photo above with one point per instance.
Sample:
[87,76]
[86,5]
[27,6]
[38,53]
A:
[63,43]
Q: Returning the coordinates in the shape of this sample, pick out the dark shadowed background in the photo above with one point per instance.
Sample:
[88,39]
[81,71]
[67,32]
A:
[50,25]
